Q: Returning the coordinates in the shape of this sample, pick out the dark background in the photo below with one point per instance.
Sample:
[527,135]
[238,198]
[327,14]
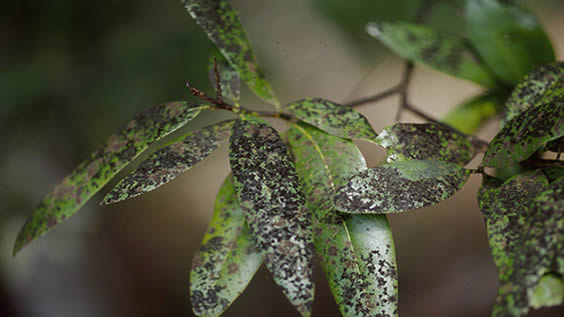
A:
[71,72]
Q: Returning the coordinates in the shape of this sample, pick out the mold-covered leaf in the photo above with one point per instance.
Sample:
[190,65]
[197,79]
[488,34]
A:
[229,77]
[400,186]
[429,141]
[269,192]
[169,162]
[539,251]
[91,175]
[227,258]
[506,209]
[445,52]
[547,78]
[469,116]
[333,118]
[221,24]
[526,133]
[357,251]
[508,38]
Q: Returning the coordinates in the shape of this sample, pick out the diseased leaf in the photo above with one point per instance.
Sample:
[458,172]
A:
[526,133]
[540,251]
[469,116]
[400,186]
[545,79]
[506,210]
[269,192]
[227,258]
[444,52]
[229,77]
[429,141]
[357,251]
[333,118]
[91,175]
[508,37]
[221,24]
[169,162]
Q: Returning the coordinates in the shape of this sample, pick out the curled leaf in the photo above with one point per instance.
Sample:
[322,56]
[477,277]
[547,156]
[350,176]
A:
[267,185]
[221,24]
[526,133]
[429,141]
[507,37]
[445,52]
[333,118]
[91,175]
[229,77]
[169,162]
[227,259]
[357,251]
[400,186]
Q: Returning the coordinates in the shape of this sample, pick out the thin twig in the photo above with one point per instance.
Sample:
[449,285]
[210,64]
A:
[404,87]
[373,99]
[217,80]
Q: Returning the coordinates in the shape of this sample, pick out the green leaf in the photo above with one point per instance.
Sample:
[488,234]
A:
[227,259]
[400,186]
[221,24]
[539,251]
[549,292]
[445,52]
[357,251]
[269,192]
[526,133]
[469,116]
[429,141]
[508,38]
[333,118]
[229,77]
[91,175]
[169,162]
[545,79]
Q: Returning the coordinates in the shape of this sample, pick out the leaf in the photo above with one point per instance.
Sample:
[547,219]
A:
[526,133]
[545,79]
[227,259]
[169,162]
[333,118]
[508,38]
[553,173]
[221,24]
[445,52]
[540,251]
[469,116]
[229,77]
[400,186]
[549,292]
[91,175]
[269,192]
[357,251]
[429,141]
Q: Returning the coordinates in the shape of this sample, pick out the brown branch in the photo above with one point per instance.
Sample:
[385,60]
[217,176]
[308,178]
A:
[539,162]
[404,86]
[373,99]
[217,80]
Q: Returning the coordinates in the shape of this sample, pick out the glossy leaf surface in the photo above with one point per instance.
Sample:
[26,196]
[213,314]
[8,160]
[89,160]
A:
[221,24]
[429,141]
[227,258]
[333,118]
[229,77]
[545,79]
[357,251]
[400,186]
[469,116]
[508,38]
[269,192]
[445,52]
[166,164]
[91,175]
[526,133]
